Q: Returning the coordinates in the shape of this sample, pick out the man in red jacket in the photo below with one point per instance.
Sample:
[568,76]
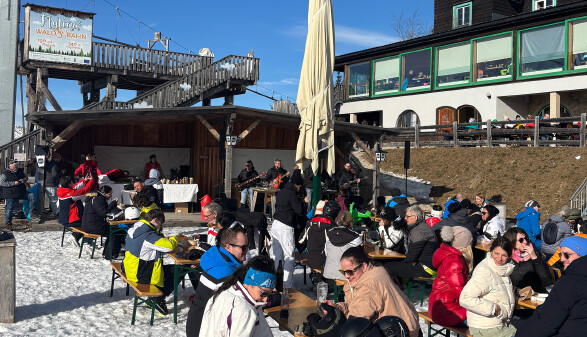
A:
[70,205]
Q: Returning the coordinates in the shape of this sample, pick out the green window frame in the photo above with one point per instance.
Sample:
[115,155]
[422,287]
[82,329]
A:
[542,4]
[462,15]
[550,59]
[453,65]
[489,61]
[385,75]
[414,81]
[577,43]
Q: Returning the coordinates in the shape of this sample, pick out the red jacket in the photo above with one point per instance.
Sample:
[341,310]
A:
[432,221]
[69,197]
[149,166]
[443,306]
[89,166]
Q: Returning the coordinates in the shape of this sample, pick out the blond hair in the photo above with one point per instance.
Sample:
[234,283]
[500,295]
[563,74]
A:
[468,256]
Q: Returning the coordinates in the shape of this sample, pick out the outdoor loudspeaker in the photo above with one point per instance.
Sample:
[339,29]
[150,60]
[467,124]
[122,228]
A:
[41,150]
[407,154]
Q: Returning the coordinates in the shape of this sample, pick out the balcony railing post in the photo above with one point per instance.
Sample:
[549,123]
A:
[582,132]
[489,135]
[537,131]
[455,134]
[417,135]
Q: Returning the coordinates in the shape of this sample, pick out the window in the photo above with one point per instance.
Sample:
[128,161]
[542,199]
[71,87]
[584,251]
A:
[461,15]
[493,57]
[386,74]
[416,70]
[453,65]
[408,119]
[578,43]
[359,80]
[542,4]
[542,50]
[564,112]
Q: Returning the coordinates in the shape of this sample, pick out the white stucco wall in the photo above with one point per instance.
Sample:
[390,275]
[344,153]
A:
[517,99]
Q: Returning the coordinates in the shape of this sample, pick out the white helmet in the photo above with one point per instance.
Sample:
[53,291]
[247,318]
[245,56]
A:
[131,213]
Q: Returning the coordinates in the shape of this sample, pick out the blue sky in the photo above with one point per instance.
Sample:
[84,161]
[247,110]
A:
[276,30]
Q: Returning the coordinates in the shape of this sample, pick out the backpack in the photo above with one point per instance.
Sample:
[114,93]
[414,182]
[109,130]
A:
[550,232]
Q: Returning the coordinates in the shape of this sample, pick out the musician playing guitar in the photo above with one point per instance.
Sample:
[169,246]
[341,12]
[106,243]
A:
[277,176]
[246,180]
[347,177]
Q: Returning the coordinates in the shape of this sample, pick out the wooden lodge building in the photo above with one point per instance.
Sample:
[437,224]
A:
[161,117]
[485,60]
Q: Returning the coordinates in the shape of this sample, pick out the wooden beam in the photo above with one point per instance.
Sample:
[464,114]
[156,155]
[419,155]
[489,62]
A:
[50,96]
[209,127]
[228,161]
[360,143]
[249,129]
[66,134]
[338,151]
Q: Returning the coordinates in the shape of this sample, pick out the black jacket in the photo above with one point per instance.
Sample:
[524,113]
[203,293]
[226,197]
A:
[533,273]
[401,206]
[287,205]
[247,175]
[564,313]
[9,189]
[152,195]
[458,218]
[346,176]
[273,173]
[52,174]
[308,177]
[315,235]
[94,217]
[422,244]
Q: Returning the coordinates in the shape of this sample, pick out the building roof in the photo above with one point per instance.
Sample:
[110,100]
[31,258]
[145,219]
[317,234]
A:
[522,20]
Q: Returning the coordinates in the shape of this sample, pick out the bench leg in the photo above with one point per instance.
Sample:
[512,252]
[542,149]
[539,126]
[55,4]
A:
[127,289]
[134,310]
[429,329]
[335,293]
[112,284]
[81,247]
[304,274]
[94,248]
[151,303]
[409,289]
[62,236]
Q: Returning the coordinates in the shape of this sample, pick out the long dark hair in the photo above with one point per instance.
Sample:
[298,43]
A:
[512,235]
[260,263]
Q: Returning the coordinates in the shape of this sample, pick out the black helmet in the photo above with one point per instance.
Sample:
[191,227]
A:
[392,326]
[359,326]
[331,209]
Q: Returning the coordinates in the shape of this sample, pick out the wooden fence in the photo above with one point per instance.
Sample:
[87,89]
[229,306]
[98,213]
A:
[565,131]
[24,145]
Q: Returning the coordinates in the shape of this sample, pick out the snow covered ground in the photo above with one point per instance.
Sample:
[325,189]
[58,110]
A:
[58,294]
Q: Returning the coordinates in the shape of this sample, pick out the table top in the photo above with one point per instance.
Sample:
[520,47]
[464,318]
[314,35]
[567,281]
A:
[376,253]
[122,222]
[485,246]
[183,261]
[529,303]
[300,306]
[265,189]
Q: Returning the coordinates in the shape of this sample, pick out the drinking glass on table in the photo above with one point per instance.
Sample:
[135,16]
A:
[321,293]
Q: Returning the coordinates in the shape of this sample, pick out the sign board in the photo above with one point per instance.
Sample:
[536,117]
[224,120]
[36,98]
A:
[59,38]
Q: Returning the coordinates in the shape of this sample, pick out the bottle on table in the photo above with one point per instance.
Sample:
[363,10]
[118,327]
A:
[284,313]
[321,293]
[381,240]
[279,277]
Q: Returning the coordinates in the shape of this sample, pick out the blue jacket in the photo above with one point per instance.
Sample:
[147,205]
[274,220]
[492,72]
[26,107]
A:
[218,263]
[392,202]
[451,201]
[529,220]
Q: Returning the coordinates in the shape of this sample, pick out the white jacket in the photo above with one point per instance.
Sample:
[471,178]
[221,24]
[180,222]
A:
[333,254]
[493,227]
[235,314]
[489,286]
[391,237]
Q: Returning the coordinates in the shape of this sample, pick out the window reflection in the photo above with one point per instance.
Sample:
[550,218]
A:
[359,80]
[416,70]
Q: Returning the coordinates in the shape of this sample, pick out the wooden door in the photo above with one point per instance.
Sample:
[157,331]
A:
[445,116]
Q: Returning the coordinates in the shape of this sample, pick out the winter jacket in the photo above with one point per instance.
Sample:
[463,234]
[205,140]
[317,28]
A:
[273,173]
[151,194]
[338,240]
[217,266]
[346,176]
[154,180]
[315,237]
[563,231]
[394,239]
[94,217]
[556,257]
[89,166]
[564,313]
[529,220]
[474,219]
[70,201]
[493,228]
[287,205]
[458,218]
[443,304]
[489,286]
[343,203]
[234,313]
[451,201]
[375,295]
[9,189]
[431,221]
[533,273]
[399,204]
[245,175]
[149,166]
[52,174]
[308,176]
[143,260]
[422,244]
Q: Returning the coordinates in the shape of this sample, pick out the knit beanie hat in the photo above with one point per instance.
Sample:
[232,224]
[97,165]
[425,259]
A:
[296,177]
[320,207]
[458,237]
[576,244]
[532,203]
[388,213]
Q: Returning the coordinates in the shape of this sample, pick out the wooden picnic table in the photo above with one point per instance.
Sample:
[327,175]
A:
[377,253]
[300,306]
[180,269]
[531,304]
[267,193]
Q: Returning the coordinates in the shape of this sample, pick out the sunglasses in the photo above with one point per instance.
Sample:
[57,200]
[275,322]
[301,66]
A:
[264,293]
[483,213]
[209,215]
[243,247]
[350,272]
[521,240]
[567,255]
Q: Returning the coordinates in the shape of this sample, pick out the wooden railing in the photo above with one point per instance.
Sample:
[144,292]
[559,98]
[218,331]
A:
[112,56]
[579,198]
[568,131]
[25,144]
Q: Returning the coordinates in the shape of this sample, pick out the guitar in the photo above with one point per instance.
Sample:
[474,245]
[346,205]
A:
[346,185]
[277,181]
[239,186]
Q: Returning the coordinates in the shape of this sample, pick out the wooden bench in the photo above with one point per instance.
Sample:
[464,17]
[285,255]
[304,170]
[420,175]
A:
[144,293]
[444,329]
[66,229]
[87,237]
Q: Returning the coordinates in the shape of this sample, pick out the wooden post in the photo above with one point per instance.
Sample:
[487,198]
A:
[41,76]
[536,131]
[555,105]
[66,134]
[249,129]
[353,118]
[489,135]
[362,145]
[8,280]
[228,161]
[582,130]
[417,135]
[455,134]
[376,176]
[111,87]
[40,207]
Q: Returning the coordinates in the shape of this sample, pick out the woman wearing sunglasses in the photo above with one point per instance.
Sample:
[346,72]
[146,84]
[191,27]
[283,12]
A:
[370,292]
[489,295]
[494,225]
[563,312]
[236,309]
[530,267]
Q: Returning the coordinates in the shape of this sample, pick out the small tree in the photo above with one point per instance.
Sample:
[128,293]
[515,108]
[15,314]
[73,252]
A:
[408,27]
